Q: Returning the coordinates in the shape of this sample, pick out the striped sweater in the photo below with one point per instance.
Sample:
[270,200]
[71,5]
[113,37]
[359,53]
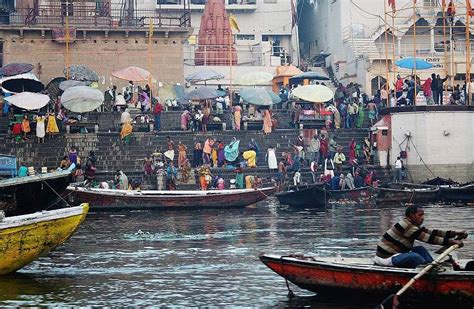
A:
[400,238]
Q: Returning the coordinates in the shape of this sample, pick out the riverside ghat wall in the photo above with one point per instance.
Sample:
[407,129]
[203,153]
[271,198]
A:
[438,140]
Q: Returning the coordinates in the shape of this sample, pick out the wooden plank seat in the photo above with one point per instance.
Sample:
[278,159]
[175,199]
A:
[312,123]
[82,127]
[216,126]
[253,125]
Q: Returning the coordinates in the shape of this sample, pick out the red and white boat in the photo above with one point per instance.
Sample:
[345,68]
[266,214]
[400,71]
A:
[337,276]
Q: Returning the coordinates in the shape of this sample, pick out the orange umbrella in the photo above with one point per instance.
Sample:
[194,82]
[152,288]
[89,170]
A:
[134,74]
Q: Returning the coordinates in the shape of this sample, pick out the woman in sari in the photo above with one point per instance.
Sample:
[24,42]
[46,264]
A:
[40,131]
[181,154]
[267,121]
[185,171]
[126,133]
[25,127]
[231,151]
[360,116]
[52,127]
[352,151]
[185,118]
[237,111]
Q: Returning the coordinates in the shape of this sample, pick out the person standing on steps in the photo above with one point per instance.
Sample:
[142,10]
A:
[157,110]
[398,170]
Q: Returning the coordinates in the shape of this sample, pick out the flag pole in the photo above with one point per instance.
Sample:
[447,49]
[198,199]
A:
[468,51]
[150,51]
[387,83]
[67,40]
[230,66]
[444,39]
[414,50]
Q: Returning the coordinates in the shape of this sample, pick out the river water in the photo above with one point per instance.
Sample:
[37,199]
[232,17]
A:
[204,257]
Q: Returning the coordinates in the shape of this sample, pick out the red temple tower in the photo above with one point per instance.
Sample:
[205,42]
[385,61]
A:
[215,36]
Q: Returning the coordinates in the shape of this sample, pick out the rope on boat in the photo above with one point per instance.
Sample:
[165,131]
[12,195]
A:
[290,292]
[45,182]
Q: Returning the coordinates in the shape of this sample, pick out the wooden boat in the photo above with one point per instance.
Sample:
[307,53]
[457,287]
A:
[407,193]
[24,195]
[357,194]
[304,196]
[359,276]
[111,199]
[24,238]
[463,193]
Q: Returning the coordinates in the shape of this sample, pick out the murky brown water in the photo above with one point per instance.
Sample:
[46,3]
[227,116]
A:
[203,258]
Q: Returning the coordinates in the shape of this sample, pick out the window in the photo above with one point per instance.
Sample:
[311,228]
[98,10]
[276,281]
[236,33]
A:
[245,37]
[269,1]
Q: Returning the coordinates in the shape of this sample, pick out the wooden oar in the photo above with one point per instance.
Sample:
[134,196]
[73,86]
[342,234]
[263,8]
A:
[395,301]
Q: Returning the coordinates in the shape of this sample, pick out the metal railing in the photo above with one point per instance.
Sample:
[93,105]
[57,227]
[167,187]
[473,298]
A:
[202,2]
[90,15]
[246,55]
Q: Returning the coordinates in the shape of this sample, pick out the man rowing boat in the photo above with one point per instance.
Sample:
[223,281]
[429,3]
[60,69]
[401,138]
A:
[396,246]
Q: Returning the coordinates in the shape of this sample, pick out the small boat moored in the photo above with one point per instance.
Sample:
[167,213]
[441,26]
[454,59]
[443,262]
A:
[24,238]
[357,195]
[464,193]
[339,276]
[397,193]
[113,199]
[25,195]
[304,196]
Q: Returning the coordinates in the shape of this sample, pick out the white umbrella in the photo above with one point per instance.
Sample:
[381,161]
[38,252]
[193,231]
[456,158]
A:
[28,100]
[82,99]
[313,93]
[253,78]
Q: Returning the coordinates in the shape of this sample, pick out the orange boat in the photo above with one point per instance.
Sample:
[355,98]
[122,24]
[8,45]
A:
[340,276]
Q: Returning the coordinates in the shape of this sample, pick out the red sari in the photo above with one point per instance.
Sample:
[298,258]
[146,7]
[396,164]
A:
[352,154]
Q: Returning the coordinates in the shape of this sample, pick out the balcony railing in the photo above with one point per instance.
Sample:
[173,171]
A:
[256,56]
[199,4]
[90,15]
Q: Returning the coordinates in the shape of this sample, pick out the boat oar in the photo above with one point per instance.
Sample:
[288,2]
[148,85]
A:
[395,301]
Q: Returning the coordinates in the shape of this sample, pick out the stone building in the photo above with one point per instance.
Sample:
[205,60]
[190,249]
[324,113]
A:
[104,36]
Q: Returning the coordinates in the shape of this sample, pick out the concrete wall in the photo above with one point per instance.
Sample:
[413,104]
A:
[102,54]
[443,141]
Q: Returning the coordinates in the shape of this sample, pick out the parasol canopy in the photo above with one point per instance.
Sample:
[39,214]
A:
[413,63]
[254,78]
[81,72]
[202,93]
[28,100]
[53,86]
[13,69]
[82,99]
[72,83]
[259,96]
[134,74]
[313,93]
[204,75]
[310,76]
[16,85]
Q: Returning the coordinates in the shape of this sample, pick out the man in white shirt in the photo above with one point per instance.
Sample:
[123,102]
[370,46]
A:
[398,170]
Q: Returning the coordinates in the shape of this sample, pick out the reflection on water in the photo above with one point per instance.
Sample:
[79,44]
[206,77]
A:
[203,258]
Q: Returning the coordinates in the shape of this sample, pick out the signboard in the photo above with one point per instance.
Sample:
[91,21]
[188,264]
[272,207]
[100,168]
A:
[437,62]
[59,35]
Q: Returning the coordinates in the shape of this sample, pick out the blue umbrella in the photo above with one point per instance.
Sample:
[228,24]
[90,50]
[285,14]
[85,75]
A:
[204,75]
[259,96]
[412,63]
[202,93]
[310,76]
